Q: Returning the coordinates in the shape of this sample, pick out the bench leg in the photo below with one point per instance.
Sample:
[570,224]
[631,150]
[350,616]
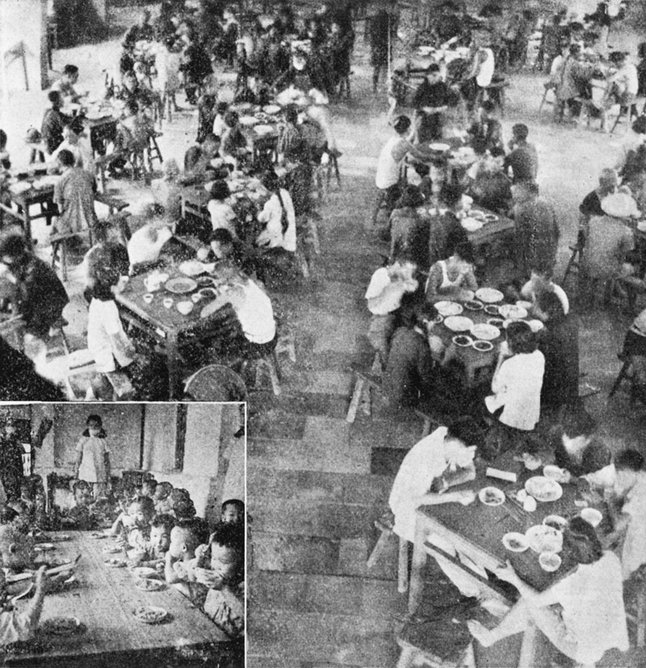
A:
[379,547]
[622,374]
[355,401]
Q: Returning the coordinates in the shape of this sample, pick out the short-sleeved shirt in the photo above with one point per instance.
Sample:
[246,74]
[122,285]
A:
[103,324]
[389,161]
[606,246]
[378,283]
[523,161]
[222,216]
[92,467]
[595,457]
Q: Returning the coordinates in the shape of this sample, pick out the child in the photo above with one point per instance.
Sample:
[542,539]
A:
[80,516]
[222,215]
[124,523]
[16,549]
[182,505]
[184,539]
[161,498]
[20,626]
[148,487]
[141,511]
[233,512]
[155,550]
[92,453]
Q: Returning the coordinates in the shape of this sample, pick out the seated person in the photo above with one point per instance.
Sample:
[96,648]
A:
[541,281]
[582,614]
[182,506]
[12,516]
[106,252]
[133,91]
[491,188]
[222,215]
[152,552]
[408,232]
[65,85]
[162,498]
[80,516]
[451,277]
[124,523]
[146,243]
[184,539]
[487,128]
[75,141]
[53,122]
[148,487]
[141,511]
[233,512]
[445,229]
[408,376]
[198,158]
[522,161]
[576,447]
[431,467]
[233,140]
[225,246]
[384,295]
[278,215]
[20,625]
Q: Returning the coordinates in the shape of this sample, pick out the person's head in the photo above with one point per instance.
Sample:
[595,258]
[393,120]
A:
[82,493]
[464,255]
[520,338]
[520,132]
[221,108]
[424,316]
[401,125]
[461,441]
[270,181]
[73,131]
[608,181]
[581,540]
[22,521]
[184,538]
[231,119]
[142,511]
[55,99]
[402,267]
[524,191]
[548,307]
[130,79]
[487,109]
[575,50]
[148,487]
[162,491]
[70,74]
[171,169]
[220,190]
[65,159]
[421,169]
[182,504]
[290,113]
[94,425]
[226,545]
[221,242]
[629,464]
[541,275]
[232,512]
[452,196]
[14,253]
[577,429]
[3,140]
[16,549]
[160,528]
[410,198]
[433,74]
[144,18]
[211,145]
[10,426]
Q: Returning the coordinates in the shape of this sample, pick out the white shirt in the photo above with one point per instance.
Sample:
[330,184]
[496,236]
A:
[141,249]
[272,214]
[517,387]
[222,216]
[593,608]
[528,292]
[633,553]
[424,462]
[378,283]
[256,315]
[102,325]
[82,152]
[219,126]
[92,467]
[628,77]
[486,69]
[389,161]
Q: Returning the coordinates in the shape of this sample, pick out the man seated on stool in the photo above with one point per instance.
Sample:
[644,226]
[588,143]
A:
[438,462]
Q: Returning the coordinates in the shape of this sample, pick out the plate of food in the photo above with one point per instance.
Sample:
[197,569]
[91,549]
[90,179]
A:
[549,561]
[515,542]
[248,121]
[448,308]
[471,224]
[439,147]
[458,323]
[192,268]
[61,626]
[180,285]
[591,516]
[205,281]
[543,538]
[554,472]
[144,571]
[115,563]
[473,305]
[112,549]
[543,489]
[263,129]
[496,322]
[485,331]
[148,584]
[150,614]
[271,109]
[489,295]
[44,547]
[482,346]
[512,311]
[491,496]
[556,522]
[491,309]
[490,217]
[462,340]
[208,293]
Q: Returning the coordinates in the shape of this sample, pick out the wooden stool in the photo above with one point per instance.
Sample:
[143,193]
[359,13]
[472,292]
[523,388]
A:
[624,374]
[548,86]
[59,246]
[363,378]
[267,366]
[573,262]
[152,151]
[625,111]
[385,525]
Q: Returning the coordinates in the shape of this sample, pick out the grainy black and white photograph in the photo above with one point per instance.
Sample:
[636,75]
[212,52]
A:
[122,535]
[408,237]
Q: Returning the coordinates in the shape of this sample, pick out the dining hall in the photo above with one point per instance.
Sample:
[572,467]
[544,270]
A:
[409,235]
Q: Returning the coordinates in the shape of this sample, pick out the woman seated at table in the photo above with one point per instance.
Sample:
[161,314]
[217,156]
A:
[106,252]
[74,196]
[222,215]
[582,614]
[35,291]
[448,279]
[516,386]
[445,229]
[408,232]
[78,144]
[145,245]
[278,215]
[233,139]
[541,281]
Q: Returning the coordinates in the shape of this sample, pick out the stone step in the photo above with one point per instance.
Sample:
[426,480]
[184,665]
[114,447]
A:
[343,640]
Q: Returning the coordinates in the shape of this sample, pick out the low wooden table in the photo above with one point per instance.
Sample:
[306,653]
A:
[112,636]
[25,200]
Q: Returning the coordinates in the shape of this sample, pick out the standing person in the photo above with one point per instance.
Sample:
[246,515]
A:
[53,122]
[11,452]
[430,101]
[537,230]
[74,196]
[567,75]
[523,159]
[93,457]
[381,29]
[623,85]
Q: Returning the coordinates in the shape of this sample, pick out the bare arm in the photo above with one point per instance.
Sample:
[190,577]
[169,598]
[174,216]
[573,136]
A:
[77,463]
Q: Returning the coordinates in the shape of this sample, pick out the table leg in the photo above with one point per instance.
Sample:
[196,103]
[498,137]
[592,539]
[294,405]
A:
[173,361]
[528,646]
[417,569]
[27,221]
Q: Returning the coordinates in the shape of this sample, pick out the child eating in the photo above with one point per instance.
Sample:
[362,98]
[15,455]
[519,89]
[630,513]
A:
[233,512]
[20,626]
[157,547]
[161,497]
[148,487]
[184,539]
[141,511]
[80,515]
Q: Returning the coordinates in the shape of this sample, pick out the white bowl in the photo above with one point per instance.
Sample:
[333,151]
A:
[549,561]
[591,516]
[185,307]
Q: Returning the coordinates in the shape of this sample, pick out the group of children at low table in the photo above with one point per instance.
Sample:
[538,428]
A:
[155,527]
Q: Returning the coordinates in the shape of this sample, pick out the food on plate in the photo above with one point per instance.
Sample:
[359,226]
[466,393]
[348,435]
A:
[512,312]
[148,584]
[515,542]
[60,626]
[180,286]
[556,473]
[483,346]
[458,323]
[115,563]
[543,538]
[462,340]
[544,489]
[446,308]
[149,614]
[489,295]
[491,496]
[485,331]
[473,305]
[549,561]
[556,522]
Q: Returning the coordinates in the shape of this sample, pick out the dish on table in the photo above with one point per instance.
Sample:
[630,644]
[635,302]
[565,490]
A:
[144,571]
[524,304]
[490,217]
[471,224]
[112,549]
[192,268]
[180,285]
[556,522]
[458,323]
[44,547]
[535,325]
[263,129]
[271,109]
[438,319]
[115,563]
[472,305]
[515,542]
[544,538]
[489,295]
[205,281]
[148,584]
[512,312]
[491,309]
[491,496]
[208,293]
[448,308]
[439,146]
[591,516]
[543,489]
[496,322]
[61,626]
[185,307]
[549,561]
[555,473]
[462,340]
[482,346]
[485,331]
[248,121]
[150,614]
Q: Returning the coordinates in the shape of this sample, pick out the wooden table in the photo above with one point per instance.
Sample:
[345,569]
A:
[167,326]
[103,602]
[25,200]
[476,532]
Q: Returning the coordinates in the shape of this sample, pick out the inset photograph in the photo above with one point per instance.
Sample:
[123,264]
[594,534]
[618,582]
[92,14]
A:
[122,534]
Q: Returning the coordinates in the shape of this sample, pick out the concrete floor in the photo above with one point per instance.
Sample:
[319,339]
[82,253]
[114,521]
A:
[315,483]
